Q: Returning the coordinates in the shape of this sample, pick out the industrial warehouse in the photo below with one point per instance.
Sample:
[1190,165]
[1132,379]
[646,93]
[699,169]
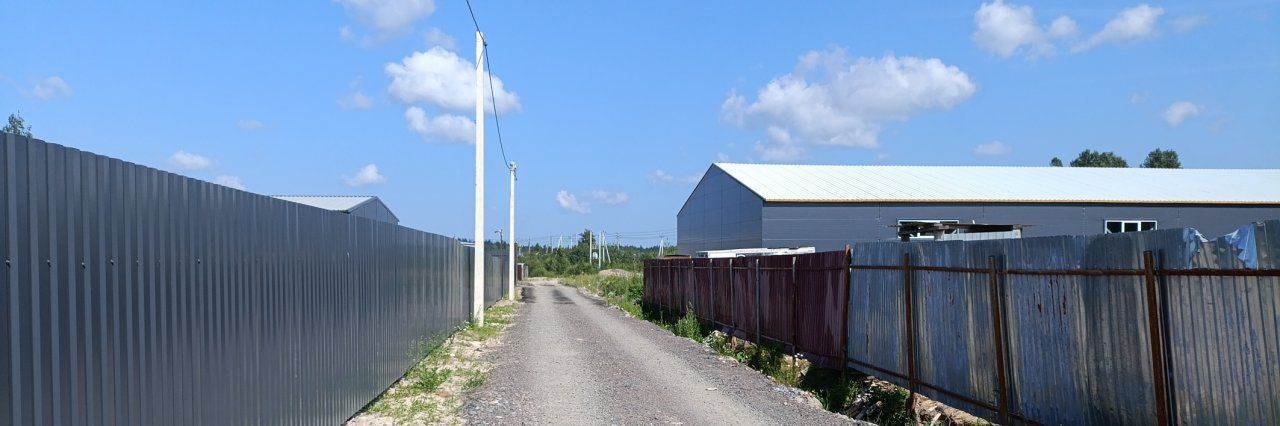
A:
[738,206]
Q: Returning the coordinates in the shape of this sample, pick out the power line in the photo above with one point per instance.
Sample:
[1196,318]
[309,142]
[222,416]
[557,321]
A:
[493,95]
[493,99]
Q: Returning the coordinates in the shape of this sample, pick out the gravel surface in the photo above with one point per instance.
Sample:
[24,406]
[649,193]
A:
[571,359]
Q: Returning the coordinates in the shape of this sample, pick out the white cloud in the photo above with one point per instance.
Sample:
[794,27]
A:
[229,181]
[570,203]
[435,37]
[992,148]
[1137,97]
[355,100]
[722,157]
[190,162]
[51,88]
[345,33]
[442,78]
[1063,27]
[441,128]
[1005,29]
[365,176]
[608,197]
[388,17]
[661,176]
[1134,23]
[832,99]
[1180,111]
[250,125]
[581,202]
[1189,22]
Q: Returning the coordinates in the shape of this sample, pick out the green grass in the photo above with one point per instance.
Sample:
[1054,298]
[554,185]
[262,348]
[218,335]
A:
[623,292]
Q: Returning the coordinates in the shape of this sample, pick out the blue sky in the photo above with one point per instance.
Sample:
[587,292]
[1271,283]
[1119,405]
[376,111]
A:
[613,109]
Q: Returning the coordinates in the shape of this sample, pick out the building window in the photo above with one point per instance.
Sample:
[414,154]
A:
[1118,226]
[927,236]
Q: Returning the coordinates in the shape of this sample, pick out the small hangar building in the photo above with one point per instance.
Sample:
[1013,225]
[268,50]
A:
[356,205]
[767,205]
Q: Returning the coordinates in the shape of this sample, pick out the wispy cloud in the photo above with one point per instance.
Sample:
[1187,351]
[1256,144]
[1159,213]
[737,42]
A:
[1179,112]
[190,162]
[1134,23]
[250,125]
[992,148]
[608,197]
[51,88]
[661,176]
[441,128]
[229,181]
[1189,22]
[367,175]
[581,202]
[387,18]
[569,202]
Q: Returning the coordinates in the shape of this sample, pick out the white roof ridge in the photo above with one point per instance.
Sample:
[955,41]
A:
[899,183]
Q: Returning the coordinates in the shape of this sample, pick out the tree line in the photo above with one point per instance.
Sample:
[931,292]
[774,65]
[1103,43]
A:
[1158,159]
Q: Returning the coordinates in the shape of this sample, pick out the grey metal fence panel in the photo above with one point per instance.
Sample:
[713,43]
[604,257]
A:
[136,296]
[1223,333]
[1079,350]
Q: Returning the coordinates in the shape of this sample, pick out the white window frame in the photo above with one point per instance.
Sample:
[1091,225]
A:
[1138,222]
[923,236]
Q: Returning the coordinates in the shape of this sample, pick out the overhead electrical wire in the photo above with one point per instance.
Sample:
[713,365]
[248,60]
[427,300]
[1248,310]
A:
[493,96]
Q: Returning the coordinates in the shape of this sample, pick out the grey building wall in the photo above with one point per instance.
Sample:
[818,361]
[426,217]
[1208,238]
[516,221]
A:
[375,210]
[720,213]
[829,226]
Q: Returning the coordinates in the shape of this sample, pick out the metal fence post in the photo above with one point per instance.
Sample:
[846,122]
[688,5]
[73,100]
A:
[997,334]
[757,301]
[844,313]
[795,312]
[711,281]
[909,327]
[1156,338]
[692,277]
[733,311]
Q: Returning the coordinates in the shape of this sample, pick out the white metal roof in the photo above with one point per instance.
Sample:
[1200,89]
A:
[811,183]
[342,203]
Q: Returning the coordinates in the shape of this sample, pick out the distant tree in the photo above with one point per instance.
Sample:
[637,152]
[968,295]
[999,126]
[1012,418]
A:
[1161,159]
[17,125]
[1055,162]
[1090,158]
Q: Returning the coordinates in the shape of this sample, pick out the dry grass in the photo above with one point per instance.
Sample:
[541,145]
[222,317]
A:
[432,392]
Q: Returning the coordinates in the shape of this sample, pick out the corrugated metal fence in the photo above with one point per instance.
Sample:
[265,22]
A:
[1123,328]
[136,296]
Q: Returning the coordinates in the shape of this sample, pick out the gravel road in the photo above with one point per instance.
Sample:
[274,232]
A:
[571,359]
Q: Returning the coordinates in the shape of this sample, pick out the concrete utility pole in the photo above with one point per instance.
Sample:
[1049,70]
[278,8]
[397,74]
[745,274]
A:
[591,250]
[511,230]
[477,286]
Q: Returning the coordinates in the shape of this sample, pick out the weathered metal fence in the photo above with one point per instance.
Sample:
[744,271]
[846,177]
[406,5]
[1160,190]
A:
[790,300]
[136,296]
[1125,328]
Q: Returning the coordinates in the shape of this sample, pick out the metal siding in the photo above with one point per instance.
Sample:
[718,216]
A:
[829,226]
[719,214]
[135,296]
